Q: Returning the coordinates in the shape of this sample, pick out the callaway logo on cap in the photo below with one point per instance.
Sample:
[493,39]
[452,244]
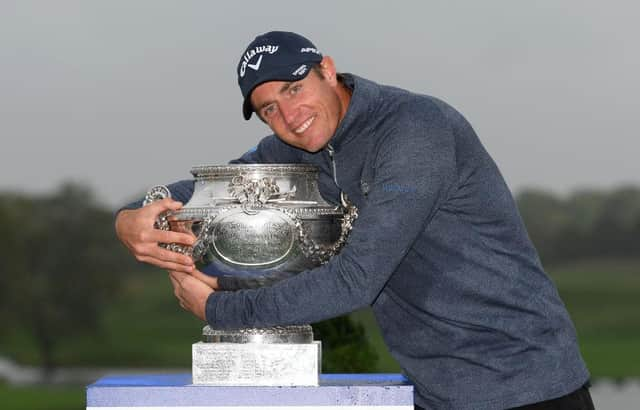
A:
[274,56]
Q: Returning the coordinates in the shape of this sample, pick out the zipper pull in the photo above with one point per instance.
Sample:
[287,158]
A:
[333,164]
[330,149]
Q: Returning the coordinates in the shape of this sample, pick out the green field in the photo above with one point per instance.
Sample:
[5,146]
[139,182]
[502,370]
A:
[42,398]
[603,299]
[144,327]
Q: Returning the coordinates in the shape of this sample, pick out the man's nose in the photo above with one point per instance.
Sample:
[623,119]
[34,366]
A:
[289,112]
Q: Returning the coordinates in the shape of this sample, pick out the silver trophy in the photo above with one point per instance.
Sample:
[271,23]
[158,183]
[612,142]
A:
[256,224]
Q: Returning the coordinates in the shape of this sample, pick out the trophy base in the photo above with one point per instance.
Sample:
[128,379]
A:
[256,364]
[295,334]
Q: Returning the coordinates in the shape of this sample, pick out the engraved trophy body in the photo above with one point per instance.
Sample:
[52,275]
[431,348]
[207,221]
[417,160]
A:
[256,224]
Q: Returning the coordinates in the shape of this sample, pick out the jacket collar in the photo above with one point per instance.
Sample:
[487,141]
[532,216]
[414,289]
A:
[365,96]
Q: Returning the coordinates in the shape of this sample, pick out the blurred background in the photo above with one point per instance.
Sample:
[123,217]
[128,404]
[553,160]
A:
[99,100]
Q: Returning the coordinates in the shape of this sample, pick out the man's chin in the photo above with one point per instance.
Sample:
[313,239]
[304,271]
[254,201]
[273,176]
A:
[314,150]
[310,147]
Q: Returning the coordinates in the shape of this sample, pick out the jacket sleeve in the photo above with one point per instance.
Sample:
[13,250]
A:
[180,191]
[270,150]
[414,171]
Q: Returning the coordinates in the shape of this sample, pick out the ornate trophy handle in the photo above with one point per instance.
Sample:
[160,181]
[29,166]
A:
[200,246]
[158,193]
[322,253]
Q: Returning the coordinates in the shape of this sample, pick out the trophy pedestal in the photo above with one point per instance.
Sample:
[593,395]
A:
[175,392]
[257,224]
[276,356]
[256,364]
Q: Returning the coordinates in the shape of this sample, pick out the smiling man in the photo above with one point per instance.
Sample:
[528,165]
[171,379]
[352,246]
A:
[439,250]
[302,110]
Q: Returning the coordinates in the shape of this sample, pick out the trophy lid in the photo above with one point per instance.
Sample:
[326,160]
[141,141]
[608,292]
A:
[282,186]
[204,171]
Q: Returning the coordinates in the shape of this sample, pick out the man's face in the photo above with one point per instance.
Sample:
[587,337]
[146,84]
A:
[303,113]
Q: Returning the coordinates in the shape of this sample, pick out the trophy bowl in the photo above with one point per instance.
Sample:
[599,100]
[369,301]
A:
[257,223]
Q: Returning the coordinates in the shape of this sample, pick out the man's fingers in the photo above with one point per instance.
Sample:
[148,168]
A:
[135,228]
[171,256]
[172,237]
[171,266]
[191,293]
[212,281]
[166,204]
[175,283]
[178,276]
[177,289]
[148,251]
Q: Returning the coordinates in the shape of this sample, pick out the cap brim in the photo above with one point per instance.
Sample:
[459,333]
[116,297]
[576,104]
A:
[247,108]
[279,74]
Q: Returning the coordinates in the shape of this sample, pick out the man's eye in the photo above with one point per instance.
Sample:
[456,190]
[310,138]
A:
[268,110]
[295,89]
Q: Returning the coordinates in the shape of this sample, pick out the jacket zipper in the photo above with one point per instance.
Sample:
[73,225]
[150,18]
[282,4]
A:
[333,165]
[343,197]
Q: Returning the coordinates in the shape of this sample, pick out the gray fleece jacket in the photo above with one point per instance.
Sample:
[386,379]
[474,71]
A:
[438,251]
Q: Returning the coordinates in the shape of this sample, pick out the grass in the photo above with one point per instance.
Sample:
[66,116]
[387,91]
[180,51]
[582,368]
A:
[144,327]
[603,299]
[386,363]
[42,398]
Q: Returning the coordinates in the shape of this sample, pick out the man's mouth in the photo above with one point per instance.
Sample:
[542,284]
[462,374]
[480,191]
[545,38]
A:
[304,125]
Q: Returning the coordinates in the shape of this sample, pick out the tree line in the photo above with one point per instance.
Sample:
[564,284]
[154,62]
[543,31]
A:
[61,263]
[586,224]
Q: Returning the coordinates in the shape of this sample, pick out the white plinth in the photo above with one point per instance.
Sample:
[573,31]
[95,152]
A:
[175,392]
[256,364]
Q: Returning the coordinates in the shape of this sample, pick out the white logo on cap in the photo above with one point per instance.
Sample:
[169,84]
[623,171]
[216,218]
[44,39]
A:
[300,70]
[251,53]
[256,66]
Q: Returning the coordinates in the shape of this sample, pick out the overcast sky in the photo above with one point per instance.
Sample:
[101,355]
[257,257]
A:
[123,95]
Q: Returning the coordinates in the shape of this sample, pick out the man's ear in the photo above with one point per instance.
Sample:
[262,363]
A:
[329,70]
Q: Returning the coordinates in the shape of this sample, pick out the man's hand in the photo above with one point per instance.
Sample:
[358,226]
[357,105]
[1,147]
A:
[192,293]
[135,229]
[210,281]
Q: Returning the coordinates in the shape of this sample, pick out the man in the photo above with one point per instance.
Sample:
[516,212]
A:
[439,250]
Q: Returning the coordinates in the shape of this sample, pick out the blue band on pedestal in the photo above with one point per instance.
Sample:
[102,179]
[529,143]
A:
[160,391]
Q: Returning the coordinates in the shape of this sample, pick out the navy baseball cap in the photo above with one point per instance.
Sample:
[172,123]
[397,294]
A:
[274,56]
